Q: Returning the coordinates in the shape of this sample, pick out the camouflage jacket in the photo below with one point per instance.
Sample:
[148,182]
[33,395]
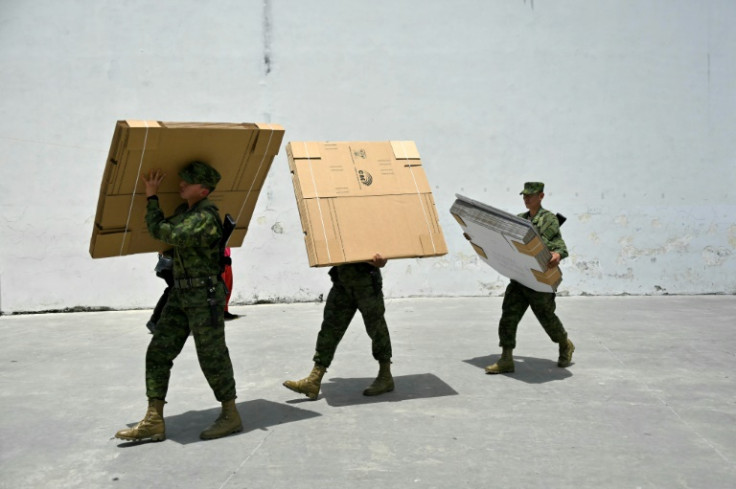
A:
[548,227]
[194,233]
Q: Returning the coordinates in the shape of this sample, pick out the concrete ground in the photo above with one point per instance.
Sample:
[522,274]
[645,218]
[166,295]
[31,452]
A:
[650,401]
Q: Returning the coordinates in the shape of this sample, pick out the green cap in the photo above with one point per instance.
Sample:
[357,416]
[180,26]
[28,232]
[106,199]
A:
[532,188]
[200,172]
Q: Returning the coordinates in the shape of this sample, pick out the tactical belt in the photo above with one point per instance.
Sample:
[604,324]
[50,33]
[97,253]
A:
[188,283]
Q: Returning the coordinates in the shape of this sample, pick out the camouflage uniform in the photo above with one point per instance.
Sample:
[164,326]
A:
[518,297]
[196,302]
[356,287]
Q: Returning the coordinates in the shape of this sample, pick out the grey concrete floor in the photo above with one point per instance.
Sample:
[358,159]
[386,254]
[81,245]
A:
[650,401]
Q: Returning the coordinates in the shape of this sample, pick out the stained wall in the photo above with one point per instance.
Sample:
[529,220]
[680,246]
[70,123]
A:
[625,109]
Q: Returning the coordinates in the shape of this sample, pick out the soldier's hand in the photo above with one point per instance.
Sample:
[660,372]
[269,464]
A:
[153,181]
[555,260]
[378,261]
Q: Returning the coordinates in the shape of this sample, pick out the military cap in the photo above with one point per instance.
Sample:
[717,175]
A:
[532,188]
[200,172]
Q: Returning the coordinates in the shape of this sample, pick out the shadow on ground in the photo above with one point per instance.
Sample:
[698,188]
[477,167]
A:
[258,414]
[527,369]
[339,391]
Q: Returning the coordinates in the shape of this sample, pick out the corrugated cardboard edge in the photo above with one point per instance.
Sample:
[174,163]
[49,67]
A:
[313,243]
[120,135]
[532,248]
[551,277]
[479,250]
[459,220]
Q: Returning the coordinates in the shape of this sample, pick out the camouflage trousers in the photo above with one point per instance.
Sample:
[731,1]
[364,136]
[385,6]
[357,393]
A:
[356,287]
[172,331]
[516,301]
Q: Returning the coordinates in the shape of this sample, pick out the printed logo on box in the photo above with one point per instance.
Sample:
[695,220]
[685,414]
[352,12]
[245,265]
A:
[365,177]
[360,154]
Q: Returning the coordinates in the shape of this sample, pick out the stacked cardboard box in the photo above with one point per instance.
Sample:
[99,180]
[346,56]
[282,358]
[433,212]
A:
[242,153]
[507,243]
[357,199]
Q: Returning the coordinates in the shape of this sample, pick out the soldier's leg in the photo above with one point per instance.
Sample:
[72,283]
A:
[212,352]
[339,311]
[543,306]
[214,360]
[168,339]
[512,310]
[514,306]
[372,308]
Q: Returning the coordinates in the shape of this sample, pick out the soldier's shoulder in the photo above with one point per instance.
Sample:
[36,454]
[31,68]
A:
[207,207]
[207,204]
[545,215]
[545,212]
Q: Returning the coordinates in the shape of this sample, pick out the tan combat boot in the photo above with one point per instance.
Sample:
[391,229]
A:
[566,349]
[227,423]
[151,426]
[309,385]
[504,365]
[383,383]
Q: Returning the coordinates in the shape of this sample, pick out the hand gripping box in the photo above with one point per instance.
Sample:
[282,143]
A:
[507,243]
[357,199]
[241,152]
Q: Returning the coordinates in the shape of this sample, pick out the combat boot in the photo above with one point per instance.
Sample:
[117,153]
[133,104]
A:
[383,383]
[227,423]
[566,349]
[504,365]
[151,426]
[309,385]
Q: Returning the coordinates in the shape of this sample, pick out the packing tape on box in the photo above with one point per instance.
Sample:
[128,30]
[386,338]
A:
[135,186]
[419,196]
[319,207]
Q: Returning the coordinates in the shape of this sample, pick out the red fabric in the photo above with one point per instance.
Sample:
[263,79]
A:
[227,277]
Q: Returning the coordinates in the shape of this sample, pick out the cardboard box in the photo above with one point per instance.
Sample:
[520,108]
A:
[357,199]
[507,243]
[242,153]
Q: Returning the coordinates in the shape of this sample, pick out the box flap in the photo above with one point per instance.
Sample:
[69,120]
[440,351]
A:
[141,123]
[304,150]
[405,150]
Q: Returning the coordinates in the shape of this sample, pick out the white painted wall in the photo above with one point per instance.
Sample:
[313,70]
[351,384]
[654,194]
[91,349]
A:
[625,108]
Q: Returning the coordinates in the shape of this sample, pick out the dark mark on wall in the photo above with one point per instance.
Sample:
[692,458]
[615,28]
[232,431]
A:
[267,36]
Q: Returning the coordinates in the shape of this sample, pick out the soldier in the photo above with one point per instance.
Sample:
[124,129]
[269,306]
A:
[518,298]
[355,287]
[195,304]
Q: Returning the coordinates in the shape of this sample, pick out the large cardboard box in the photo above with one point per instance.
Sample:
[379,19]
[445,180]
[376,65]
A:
[507,243]
[357,199]
[241,152]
